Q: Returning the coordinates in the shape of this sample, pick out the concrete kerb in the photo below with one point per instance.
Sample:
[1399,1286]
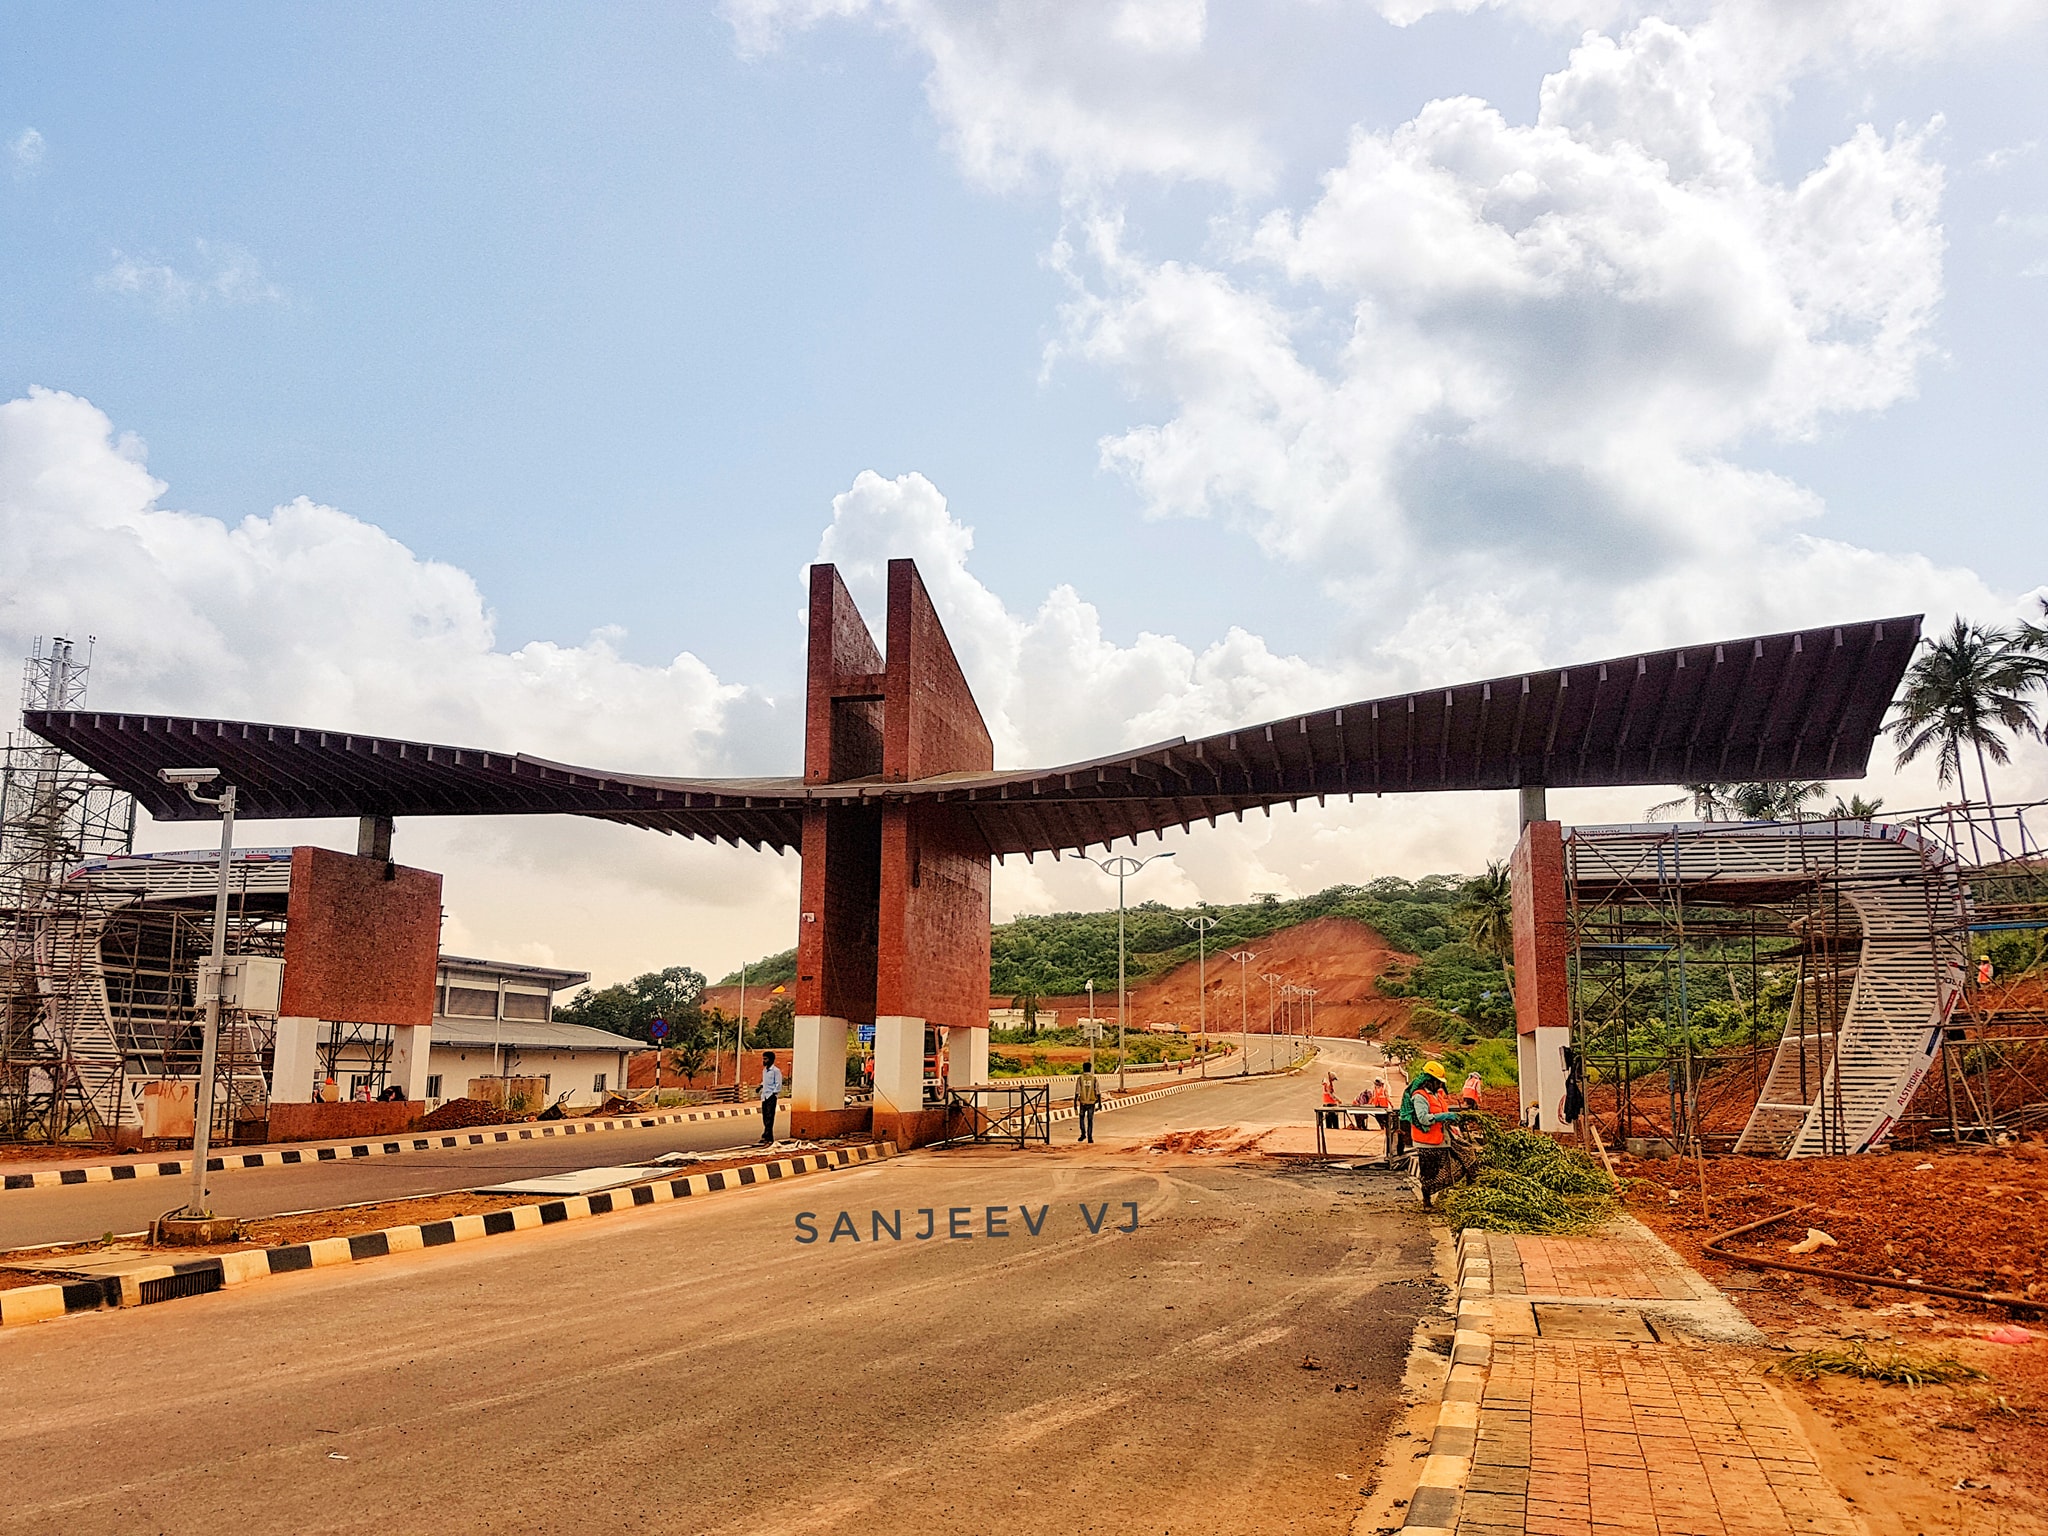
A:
[1433,1508]
[198,1277]
[341,1152]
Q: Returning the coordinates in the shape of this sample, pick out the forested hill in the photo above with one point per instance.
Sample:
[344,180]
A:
[1056,954]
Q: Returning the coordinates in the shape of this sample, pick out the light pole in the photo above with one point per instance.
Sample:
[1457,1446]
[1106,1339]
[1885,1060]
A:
[1202,923]
[1308,1033]
[1092,1029]
[189,779]
[1123,866]
[1243,957]
[1272,979]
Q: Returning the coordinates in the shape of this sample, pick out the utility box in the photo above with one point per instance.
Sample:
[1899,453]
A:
[249,983]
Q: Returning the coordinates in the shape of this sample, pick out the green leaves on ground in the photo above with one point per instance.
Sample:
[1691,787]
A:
[1895,1366]
[1529,1183]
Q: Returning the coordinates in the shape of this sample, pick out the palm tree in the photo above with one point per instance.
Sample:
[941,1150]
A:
[1759,801]
[1709,802]
[1488,913]
[1855,808]
[1967,689]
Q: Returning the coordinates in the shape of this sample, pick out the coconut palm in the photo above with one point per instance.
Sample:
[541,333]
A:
[1759,801]
[1855,808]
[1488,913]
[1967,689]
[1709,802]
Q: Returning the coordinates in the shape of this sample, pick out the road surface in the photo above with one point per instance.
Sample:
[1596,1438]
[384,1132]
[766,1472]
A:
[82,1212]
[693,1367]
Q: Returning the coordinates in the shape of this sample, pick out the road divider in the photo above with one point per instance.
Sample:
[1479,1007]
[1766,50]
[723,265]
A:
[148,1284]
[391,1146]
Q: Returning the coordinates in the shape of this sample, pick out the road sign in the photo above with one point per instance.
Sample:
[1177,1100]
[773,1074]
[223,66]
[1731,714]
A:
[658,1030]
[867,1034]
[1091,1029]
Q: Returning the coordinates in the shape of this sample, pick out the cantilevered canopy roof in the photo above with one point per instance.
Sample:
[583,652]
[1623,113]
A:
[1804,705]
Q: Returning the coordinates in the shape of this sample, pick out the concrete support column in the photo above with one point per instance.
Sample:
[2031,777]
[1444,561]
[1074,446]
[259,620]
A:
[1550,1049]
[1534,806]
[899,1065]
[410,1047]
[373,838]
[295,1061]
[967,1051]
[817,1069]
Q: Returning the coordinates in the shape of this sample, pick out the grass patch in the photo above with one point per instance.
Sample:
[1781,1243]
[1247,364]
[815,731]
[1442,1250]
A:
[1894,1366]
[1529,1183]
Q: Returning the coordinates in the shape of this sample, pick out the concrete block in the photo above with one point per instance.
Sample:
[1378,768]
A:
[330,1250]
[31,1304]
[1471,1348]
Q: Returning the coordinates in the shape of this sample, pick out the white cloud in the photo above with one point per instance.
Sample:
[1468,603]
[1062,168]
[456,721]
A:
[225,274]
[1496,381]
[1081,91]
[25,152]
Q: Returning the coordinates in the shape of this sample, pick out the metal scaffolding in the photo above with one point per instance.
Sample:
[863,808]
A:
[1813,987]
[60,1071]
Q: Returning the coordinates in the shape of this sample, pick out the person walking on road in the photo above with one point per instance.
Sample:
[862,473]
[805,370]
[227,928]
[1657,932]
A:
[1087,1094]
[771,1090]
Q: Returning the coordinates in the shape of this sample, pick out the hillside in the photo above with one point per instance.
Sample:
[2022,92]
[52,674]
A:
[1341,941]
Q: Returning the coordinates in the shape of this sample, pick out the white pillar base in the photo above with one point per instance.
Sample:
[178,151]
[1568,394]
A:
[1550,1049]
[295,1061]
[1525,1075]
[899,1064]
[817,1068]
[967,1049]
[410,1046]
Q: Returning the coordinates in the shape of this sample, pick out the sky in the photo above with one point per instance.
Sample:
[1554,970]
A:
[491,376]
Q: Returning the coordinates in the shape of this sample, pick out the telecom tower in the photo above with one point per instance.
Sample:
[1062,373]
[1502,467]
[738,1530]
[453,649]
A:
[60,1067]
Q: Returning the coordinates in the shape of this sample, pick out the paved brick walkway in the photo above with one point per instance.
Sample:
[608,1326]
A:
[1597,1268]
[1586,1439]
[1591,1436]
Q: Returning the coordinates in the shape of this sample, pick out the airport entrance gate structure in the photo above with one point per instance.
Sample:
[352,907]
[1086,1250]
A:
[900,810]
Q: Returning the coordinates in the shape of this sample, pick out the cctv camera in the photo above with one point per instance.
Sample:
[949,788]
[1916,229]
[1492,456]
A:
[188,775]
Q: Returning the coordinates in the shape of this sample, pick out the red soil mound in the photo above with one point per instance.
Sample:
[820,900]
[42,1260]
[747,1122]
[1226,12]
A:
[1338,956]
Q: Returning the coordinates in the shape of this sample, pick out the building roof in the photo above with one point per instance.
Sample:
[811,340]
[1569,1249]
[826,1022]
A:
[555,977]
[530,1036]
[1804,704]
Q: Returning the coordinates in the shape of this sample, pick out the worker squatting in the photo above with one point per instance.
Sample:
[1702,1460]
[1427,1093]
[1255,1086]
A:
[958,1222]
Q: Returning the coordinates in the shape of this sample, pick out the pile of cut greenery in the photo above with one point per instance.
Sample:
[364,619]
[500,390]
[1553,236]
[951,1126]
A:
[1529,1183]
[1894,1366]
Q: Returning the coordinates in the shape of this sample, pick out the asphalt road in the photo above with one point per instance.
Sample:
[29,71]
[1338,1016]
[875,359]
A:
[82,1212]
[693,1367]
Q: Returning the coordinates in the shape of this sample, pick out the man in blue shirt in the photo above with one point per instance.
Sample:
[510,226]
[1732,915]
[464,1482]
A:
[771,1089]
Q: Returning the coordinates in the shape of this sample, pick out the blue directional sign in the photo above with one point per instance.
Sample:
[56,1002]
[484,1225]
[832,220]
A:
[867,1034]
[658,1030]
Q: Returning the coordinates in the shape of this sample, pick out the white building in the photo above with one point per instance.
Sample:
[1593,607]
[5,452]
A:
[496,1019]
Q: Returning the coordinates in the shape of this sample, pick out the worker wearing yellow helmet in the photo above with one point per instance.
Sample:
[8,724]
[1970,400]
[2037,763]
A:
[1428,1119]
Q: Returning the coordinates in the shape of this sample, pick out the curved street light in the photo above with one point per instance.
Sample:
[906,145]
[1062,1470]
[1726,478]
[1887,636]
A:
[1202,923]
[1243,957]
[1123,866]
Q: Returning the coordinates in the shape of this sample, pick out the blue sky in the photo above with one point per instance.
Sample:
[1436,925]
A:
[1259,380]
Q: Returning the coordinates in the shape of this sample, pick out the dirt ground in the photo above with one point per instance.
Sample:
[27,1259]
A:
[1339,957]
[1967,1458]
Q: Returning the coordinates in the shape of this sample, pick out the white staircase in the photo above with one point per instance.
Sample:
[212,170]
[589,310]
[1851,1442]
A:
[1900,893]
[77,1023]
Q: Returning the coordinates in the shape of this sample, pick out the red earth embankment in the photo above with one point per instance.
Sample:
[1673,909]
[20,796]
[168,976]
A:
[1338,956]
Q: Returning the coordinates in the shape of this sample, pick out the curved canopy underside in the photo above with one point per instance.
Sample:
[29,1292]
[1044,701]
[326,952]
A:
[1807,705]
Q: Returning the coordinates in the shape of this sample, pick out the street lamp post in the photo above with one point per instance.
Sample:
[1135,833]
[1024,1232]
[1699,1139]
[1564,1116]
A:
[1243,957]
[1272,979]
[1202,923]
[1093,1029]
[1123,866]
[189,779]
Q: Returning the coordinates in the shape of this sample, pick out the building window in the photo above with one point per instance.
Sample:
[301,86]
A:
[472,1003]
[597,1084]
[358,1081]
[433,1085]
[527,1005]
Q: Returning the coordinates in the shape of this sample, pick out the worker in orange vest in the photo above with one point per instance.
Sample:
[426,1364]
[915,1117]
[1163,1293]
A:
[1427,1112]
